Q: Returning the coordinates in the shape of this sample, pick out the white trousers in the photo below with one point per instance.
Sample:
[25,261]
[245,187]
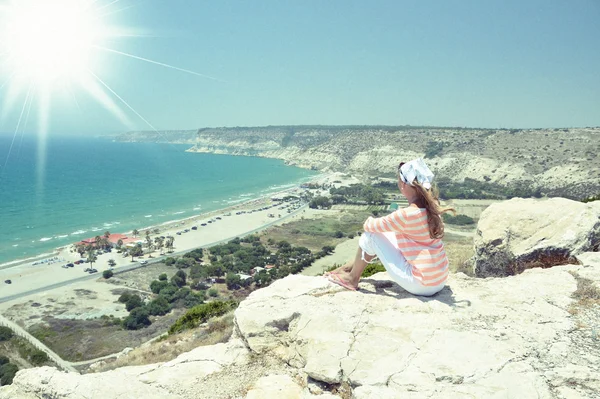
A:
[385,246]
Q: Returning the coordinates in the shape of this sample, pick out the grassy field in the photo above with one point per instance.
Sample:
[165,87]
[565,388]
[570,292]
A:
[78,340]
[316,233]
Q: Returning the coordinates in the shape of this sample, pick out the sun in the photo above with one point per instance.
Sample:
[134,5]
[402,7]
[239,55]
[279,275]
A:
[45,41]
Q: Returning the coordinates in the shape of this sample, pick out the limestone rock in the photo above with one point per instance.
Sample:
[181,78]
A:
[521,233]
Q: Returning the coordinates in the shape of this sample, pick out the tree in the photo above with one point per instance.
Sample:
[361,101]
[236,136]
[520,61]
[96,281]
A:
[213,292]
[138,318]
[159,307]
[112,263]
[163,277]
[119,243]
[149,242]
[136,251]
[91,256]
[134,302]
[233,281]
[106,234]
[156,286]
[5,333]
[159,243]
[124,297]
[177,281]
[107,274]
[182,275]
[38,357]
[81,250]
[169,243]
[135,232]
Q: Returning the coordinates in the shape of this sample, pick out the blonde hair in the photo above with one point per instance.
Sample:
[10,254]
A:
[429,199]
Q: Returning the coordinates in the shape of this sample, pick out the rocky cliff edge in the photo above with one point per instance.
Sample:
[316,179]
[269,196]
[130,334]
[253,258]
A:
[523,336]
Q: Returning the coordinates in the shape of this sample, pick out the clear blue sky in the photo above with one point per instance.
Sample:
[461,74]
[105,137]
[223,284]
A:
[472,63]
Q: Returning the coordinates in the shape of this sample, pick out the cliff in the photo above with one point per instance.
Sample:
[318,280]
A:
[558,161]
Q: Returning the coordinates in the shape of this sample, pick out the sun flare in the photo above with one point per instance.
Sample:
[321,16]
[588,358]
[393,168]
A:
[47,41]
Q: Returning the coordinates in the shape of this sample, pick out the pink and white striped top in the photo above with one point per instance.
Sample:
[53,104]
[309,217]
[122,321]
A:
[426,255]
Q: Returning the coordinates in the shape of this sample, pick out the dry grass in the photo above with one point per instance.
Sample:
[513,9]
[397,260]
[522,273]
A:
[587,294]
[459,253]
[217,330]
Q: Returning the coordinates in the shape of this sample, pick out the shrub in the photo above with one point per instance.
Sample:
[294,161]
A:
[181,274]
[170,261]
[4,360]
[459,220]
[373,268]
[125,297]
[7,373]
[138,318]
[338,234]
[162,277]
[177,281]
[107,274]
[213,292]
[38,357]
[200,313]
[159,307]
[157,286]
[233,281]
[134,302]
[5,333]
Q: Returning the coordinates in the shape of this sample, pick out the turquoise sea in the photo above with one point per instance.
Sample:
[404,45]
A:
[86,186]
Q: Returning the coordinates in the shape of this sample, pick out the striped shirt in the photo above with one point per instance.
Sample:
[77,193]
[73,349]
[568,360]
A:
[426,255]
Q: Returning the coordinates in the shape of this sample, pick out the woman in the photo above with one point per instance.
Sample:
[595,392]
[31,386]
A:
[408,241]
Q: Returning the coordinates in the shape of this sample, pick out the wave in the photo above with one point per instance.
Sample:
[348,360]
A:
[78,232]
[148,216]
[15,245]
[178,213]
[63,236]
[45,239]
[197,208]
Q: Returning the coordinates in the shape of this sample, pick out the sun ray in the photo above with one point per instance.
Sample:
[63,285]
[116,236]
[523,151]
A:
[43,123]
[106,5]
[17,128]
[158,63]
[25,124]
[100,95]
[122,100]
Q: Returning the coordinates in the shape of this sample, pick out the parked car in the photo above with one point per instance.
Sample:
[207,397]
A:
[87,269]
[93,271]
[70,265]
[194,227]
[8,281]
[143,262]
[203,224]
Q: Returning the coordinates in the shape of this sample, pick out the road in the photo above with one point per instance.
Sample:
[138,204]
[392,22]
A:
[133,266]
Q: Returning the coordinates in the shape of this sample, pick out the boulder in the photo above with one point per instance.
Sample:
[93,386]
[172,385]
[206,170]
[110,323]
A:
[520,234]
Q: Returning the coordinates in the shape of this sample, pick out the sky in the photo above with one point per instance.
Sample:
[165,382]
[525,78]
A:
[464,63]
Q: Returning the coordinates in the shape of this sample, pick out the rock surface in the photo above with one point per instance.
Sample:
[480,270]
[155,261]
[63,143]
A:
[521,336]
[521,233]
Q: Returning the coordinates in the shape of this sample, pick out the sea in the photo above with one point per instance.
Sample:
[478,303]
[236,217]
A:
[57,191]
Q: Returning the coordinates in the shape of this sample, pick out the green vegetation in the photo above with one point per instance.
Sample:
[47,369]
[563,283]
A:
[591,198]
[459,220]
[473,189]
[107,274]
[201,313]
[358,194]
[7,373]
[320,203]
[373,268]
[434,148]
[5,333]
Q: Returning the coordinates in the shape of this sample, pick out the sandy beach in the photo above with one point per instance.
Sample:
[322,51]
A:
[26,277]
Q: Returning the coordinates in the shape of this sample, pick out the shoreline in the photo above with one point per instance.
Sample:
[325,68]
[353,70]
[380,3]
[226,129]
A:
[253,217]
[56,251]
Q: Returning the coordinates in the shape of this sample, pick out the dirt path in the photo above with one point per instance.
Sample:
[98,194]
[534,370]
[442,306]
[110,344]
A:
[35,342]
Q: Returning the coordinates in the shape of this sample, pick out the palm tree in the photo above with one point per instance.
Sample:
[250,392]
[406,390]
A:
[135,232]
[119,243]
[91,257]
[112,263]
[81,250]
[159,243]
[169,243]
[107,234]
[149,242]
[98,241]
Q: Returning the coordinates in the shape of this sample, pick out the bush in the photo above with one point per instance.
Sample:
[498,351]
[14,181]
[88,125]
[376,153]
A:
[157,286]
[373,268]
[38,357]
[181,274]
[177,281]
[170,261]
[213,292]
[459,220]
[5,333]
[138,318]
[233,281]
[159,307]
[7,373]
[107,274]
[200,313]
[338,234]
[163,277]
[125,297]
[134,302]
[4,360]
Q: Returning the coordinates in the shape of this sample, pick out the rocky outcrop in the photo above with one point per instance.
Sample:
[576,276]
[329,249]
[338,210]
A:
[520,234]
[303,337]
[559,162]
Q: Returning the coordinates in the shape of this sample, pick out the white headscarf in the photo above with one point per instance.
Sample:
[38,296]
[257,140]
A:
[416,169]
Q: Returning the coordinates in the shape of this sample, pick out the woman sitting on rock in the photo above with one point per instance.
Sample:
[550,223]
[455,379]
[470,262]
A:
[408,241]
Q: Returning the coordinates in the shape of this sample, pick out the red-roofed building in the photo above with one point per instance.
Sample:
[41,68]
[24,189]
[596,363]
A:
[113,239]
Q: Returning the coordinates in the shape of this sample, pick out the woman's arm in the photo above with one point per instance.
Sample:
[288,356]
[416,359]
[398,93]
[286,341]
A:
[392,222]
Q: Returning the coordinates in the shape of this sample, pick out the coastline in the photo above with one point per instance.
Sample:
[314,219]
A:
[26,277]
[170,224]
